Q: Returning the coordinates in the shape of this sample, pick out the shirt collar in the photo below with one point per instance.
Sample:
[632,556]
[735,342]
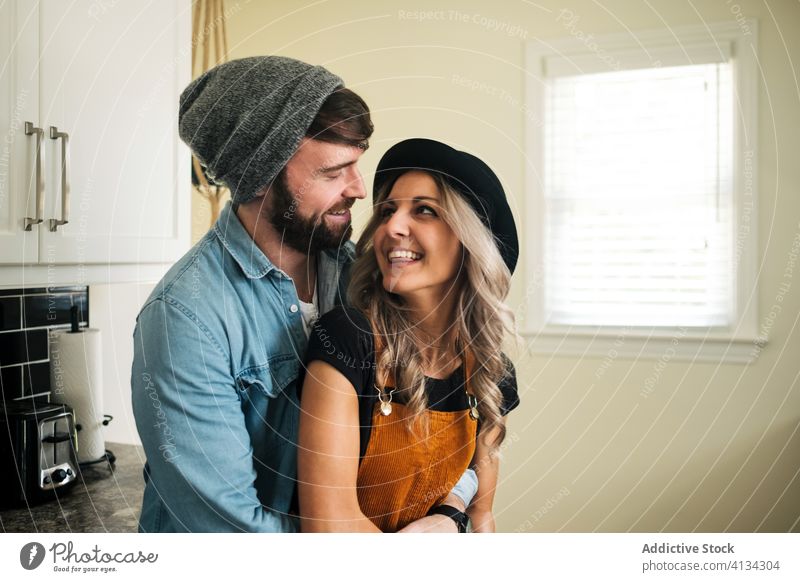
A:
[240,245]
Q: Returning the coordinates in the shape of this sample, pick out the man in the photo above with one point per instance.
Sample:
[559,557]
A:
[219,343]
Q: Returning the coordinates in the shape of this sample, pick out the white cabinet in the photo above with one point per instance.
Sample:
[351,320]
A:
[19,103]
[101,80]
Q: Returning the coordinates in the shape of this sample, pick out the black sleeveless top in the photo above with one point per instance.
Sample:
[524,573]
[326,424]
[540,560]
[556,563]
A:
[343,338]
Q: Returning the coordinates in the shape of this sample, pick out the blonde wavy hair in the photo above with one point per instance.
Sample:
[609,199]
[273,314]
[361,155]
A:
[482,319]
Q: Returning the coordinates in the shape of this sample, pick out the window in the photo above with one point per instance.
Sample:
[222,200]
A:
[640,187]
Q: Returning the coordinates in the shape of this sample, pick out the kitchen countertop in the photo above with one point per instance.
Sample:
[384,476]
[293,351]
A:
[101,500]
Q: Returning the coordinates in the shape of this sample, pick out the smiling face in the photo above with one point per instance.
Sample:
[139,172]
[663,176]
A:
[417,251]
[313,195]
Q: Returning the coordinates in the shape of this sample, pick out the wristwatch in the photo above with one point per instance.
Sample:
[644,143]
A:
[461,518]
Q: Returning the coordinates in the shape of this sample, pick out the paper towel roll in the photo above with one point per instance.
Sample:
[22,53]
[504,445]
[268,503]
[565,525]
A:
[76,376]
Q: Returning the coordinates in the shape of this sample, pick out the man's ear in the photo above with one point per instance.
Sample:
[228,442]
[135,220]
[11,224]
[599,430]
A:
[261,200]
[256,206]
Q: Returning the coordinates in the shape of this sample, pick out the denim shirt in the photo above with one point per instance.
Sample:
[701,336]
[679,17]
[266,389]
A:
[217,350]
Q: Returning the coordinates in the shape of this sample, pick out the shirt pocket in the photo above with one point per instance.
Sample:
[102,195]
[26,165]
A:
[269,379]
[283,371]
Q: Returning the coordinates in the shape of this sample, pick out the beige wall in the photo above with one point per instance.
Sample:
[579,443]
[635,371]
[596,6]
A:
[714,447]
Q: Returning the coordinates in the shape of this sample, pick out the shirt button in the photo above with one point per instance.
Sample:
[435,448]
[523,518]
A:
[293,308]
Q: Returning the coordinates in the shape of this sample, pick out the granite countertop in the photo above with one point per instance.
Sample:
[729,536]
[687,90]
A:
[102,500]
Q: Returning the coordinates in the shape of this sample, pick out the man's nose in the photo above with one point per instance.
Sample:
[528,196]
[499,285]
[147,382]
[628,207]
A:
[355,186]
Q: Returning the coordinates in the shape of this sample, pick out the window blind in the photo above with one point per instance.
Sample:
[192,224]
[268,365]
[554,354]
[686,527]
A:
[638,191]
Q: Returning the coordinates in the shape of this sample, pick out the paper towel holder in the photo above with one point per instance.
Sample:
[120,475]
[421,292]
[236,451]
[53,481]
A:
[73,320]
[106,419]
[108,456]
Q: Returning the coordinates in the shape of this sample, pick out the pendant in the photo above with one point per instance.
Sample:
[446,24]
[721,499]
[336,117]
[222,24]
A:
[385,400]
[473,406]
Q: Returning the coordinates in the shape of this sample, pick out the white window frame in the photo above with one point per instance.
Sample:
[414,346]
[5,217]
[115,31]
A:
[737,343]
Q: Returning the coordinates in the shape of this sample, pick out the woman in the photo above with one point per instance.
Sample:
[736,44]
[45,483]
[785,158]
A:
[408,388]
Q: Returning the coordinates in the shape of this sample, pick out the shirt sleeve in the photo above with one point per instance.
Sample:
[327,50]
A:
[508,388]
[192,427]
[343,338]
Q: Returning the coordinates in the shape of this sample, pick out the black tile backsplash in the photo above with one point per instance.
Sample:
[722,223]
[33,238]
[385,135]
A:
[10,313]
[26,315]
[53,309]
[43,290]
[18,347]
[11,382]
[36,378]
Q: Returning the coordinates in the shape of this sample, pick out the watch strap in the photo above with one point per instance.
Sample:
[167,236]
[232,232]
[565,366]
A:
[461,518]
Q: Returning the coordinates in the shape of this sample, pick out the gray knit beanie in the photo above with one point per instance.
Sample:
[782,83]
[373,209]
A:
[244,119]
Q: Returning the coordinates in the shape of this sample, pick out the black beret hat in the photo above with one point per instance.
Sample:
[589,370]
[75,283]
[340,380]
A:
[466,174]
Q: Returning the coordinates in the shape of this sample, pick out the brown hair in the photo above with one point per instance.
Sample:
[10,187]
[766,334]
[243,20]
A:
[343,118]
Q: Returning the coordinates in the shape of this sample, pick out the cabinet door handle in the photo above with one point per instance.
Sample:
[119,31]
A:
[64,137]
[39,133]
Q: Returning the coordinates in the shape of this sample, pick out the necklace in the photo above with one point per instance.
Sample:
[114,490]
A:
[386,400]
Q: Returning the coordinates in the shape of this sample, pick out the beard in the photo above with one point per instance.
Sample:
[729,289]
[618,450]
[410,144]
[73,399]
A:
[307,234]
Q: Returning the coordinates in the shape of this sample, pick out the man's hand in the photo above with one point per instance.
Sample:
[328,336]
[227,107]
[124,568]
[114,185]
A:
[431,524]
[436,523]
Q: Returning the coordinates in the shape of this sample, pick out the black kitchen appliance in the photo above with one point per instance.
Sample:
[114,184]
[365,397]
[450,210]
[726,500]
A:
[38,457]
